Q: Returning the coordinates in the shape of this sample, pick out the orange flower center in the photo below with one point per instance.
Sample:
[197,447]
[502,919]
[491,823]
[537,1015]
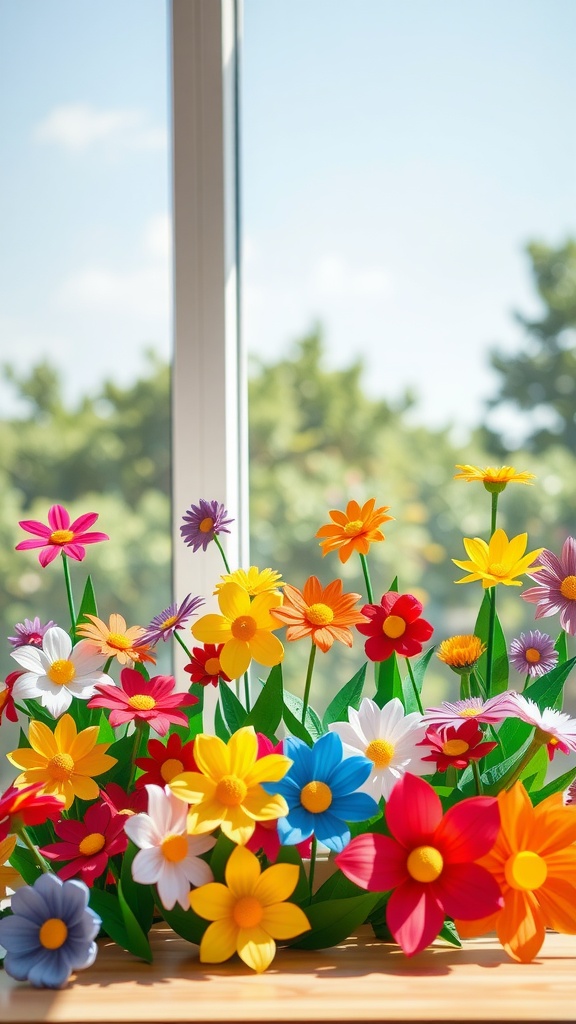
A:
[142,702]
[53,933]
[169,622]
[354,527]
[425,864]
[316,797]
[319,614]
[92,844]
[393,626]
[175,848]
[498,569]
[119,641]
[247,912]
[206,525]
[380,752]
[60,767]
[212,667]
[526,870]
[454,747]
[61,537]
[532,655]
[244,627]
[568,588]
[61,672]
[170,768]
[231,790]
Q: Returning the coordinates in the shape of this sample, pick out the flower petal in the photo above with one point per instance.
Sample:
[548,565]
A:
[255,948]
[284,920]
[414,916]
[219,941]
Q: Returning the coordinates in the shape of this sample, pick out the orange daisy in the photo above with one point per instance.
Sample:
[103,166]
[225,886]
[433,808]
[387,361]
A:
[322,613]
[534,863]
[353,530]
[115,640]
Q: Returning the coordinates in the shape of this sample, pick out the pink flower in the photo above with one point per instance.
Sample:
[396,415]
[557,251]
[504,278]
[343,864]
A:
[496,709]
[136,699]
[428,862]
[60,535]
[556,590]
[557,726]
[88,844]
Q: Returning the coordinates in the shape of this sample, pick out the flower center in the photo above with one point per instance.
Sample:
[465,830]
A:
[61,672]
[169,622]
[60,767]
[119,641]
[170,768]
[61,537]
[470,712]
[92,844]
[319,614]
[568,588]
[316,797]
[53,933]
[454,747]
[380,752]
[525,870]
[353,528]
[231,790]
[142,702]
[497,569]
[247,912]
[532,655]
[212,667]
[393,626]
[206,525]
[425,864]
[175,848]
[244,627]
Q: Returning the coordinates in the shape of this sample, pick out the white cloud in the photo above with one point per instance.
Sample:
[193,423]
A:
[77,126]
[332,276]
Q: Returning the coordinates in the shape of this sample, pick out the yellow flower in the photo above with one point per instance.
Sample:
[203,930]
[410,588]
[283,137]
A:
[245,628]
[9,877]
[494,480]
[227,790]
[353,530]
[461,651]
[499,561]
[249,912]
[115,640]
[253,580]
[65,761]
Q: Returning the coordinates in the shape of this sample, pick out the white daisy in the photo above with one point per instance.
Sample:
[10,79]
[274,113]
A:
[57,671]
[168,857]
[389,738]
[556,724]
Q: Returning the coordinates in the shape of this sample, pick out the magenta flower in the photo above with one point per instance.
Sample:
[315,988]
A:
[87,844]
[202,522]
[138,700]
[29,633]
[533,653]
[556,590]
[496,709]
[163,625]
[60,535]
[121,802]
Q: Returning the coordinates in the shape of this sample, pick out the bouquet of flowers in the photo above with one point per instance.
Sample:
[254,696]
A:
[208,802]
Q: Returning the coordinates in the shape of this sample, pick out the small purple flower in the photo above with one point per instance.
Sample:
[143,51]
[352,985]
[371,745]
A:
[556,590]
[29,633]
[533,653]
[163,626]
[203,522]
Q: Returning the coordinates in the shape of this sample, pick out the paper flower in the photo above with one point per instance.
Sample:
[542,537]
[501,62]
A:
[29,805]
[121,802]
[265,837]
[461,652]
[353,530]
[60,536]
[494,479]
[455,746]
[499,561]
[205,667]
[244,627]
[202,522]
[253,580]
[87,844]
[556,590]
[490,711]
[9,877]
[164,763]
[552,725]
[151,701]
[57,672]
[115,640]
[172,618]
[533,653]
[322,613]
[29,633]
[394,626]
[7,705]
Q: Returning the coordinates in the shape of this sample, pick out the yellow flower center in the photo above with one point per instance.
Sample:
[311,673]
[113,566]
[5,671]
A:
[247,912]
[380,752]
[316,797]
[119,641]
[568,588]
[244,627]
[231,790]
[206,525]
[61,672]
[470,712]
[169,622]
[354,527]
[532,655]
[425,864]
[142,702]
[171,768]
[319,614]
[454,747]
[393,626]
[53,933]
[175,848]
[212,667]
[61,537]
[498,569]
[525,870]
[92,844]
[60,767]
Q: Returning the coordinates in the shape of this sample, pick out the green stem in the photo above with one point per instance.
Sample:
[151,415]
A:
[182,644]
[247,691]
[539,739]
[38,858]
[490,646]
[414,687]
[465,686]
[365,570]
[308,682]
[221,550]
[312,865]
[68,583]
[106,668]
[494,512]
[477,778]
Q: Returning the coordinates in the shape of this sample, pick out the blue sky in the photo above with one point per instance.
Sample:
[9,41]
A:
[396,159]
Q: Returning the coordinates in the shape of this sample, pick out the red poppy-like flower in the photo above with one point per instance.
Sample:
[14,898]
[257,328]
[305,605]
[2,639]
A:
[7,705]
[205,665]
[454,746]
[265,836]
[87,844]
[121,802]
[60,535]
[27,806]
[429,862]
[136,699]
[165,762]
[394,625]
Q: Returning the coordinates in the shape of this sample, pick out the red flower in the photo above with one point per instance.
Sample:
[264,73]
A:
[121,802]
[60,535]
[394,626]
[88,844]
[7,704]
[265,836]
[428,862]
[136,699]
[205,665]
[27,806]
[454,746]
[165,762]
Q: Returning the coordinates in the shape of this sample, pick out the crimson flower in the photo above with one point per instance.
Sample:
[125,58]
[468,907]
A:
[394,626]
[60,535]
[265,837]
[27,806]
[205,665]
[87,844]
[165,762]
[428,862]
[7,705]
[454,746]
[121,802]
[138,700]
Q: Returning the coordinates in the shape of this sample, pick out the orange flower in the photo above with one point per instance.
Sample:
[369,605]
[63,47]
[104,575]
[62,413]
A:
[534,862]
[353,530]
[115,640]
[323,613]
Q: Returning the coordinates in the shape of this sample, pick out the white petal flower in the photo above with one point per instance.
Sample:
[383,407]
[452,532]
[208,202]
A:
[389,738]
[57,671]
[557,724]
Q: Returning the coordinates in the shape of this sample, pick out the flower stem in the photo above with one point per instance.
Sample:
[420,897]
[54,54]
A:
[366,571]
[247,691]
[38,858]
[494,512]
[414,687]
[490,645]
[182,644]
[138,730]
[106,668]
[465,686]
[312,869]
[539,739]
[477,778]
[68,583]
[308,682]
[221,550]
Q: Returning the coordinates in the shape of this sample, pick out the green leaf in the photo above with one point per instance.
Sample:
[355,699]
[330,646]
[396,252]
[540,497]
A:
[561,646]
[88,603]
[25,864]
[139,897]
[122,750]
[295,727]
[419,670]
[312,724]
[388,681]
[137,937]
[119,923]
[349,696]
[235,713]
[535,771]
[337,887]
[333,921]
[449,933]
[290,855]
[220,855]
[500,652]
[185,923]
[220,727]
[547,690]
[557,785]
[266,714]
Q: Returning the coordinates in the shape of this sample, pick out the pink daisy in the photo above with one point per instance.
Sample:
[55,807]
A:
[488,711]
[60,535]
[136,699]
[556,590]
[556,725]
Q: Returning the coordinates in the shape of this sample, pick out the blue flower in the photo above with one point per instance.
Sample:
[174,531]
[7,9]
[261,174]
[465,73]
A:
[50,932]
[321,792]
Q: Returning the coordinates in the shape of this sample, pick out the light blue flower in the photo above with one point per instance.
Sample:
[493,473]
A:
[50,932]
[321,790]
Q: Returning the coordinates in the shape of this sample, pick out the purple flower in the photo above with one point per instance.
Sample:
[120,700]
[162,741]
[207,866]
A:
[533,653]
[162,626]
[203,522]
[556,590]
[29,633]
